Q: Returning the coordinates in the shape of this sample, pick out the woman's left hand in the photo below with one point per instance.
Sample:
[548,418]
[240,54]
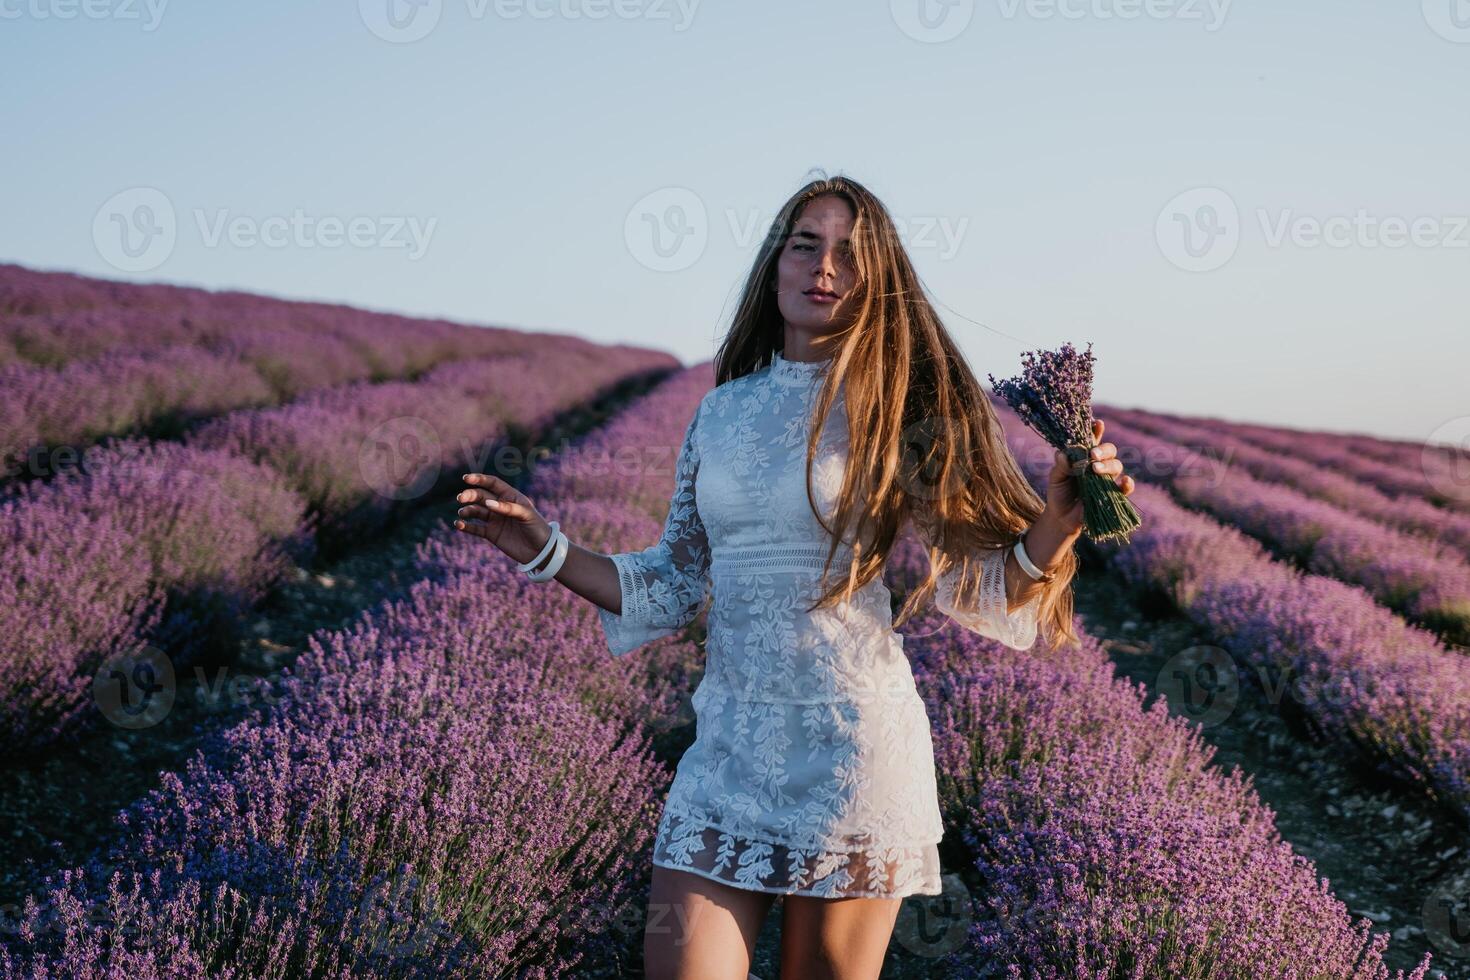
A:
[1063,496]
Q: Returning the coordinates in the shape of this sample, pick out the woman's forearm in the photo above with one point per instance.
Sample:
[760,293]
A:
[592,575]
[1046,543]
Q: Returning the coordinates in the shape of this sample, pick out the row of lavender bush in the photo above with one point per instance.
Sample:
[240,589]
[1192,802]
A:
[1406,513]
[458,785]
[155,542]
[207,526]
[185,355]
[357,452]
[1439,470]
[1105,841]
[430,793]
[1312,644]
[1418,576]
[1437,474]
[50,319]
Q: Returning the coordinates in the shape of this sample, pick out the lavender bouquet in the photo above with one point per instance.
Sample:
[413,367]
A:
[1053,395]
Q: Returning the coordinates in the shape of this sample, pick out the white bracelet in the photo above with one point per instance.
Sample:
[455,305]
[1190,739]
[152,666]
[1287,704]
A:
[545,549]
[557,558]
[1027,565]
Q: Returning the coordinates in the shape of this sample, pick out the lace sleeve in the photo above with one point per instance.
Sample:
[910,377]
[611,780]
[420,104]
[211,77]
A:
[664,586]
[987,616]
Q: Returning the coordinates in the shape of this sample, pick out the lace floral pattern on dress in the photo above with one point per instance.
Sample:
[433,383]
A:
[745,861]
[812,768]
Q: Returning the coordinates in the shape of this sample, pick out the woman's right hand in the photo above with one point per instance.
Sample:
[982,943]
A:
[496,511]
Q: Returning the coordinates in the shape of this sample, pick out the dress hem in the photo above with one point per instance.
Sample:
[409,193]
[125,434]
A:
[812,845]
[801,892]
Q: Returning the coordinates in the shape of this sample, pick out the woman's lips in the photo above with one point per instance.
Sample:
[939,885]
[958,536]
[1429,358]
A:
[820,297]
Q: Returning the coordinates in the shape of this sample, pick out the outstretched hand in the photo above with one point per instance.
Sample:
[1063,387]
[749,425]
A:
[501,514]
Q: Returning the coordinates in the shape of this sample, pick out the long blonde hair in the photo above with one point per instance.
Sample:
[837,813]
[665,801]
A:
[917,419]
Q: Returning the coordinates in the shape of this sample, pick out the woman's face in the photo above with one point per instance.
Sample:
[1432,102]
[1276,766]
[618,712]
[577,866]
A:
[815,273]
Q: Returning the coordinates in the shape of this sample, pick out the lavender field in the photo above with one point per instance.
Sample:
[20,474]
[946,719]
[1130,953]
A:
[269,716]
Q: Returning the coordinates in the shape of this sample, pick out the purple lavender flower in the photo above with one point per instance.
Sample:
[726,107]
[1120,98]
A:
[1053,395]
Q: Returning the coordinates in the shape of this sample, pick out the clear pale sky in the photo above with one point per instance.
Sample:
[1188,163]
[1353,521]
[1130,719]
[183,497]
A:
[595,167]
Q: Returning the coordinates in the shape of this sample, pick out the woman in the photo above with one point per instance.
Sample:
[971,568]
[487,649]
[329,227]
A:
[812,771]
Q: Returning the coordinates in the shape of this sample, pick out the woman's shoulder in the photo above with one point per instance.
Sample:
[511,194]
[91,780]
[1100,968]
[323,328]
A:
[718,399]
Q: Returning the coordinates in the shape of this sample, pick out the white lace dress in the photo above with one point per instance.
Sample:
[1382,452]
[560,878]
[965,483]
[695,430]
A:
[812,769]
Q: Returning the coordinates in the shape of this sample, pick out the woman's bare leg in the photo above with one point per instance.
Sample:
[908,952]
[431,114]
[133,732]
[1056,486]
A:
[836,938]
[699,929]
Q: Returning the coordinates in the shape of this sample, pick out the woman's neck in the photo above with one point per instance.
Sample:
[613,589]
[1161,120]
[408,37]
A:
[799,347]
